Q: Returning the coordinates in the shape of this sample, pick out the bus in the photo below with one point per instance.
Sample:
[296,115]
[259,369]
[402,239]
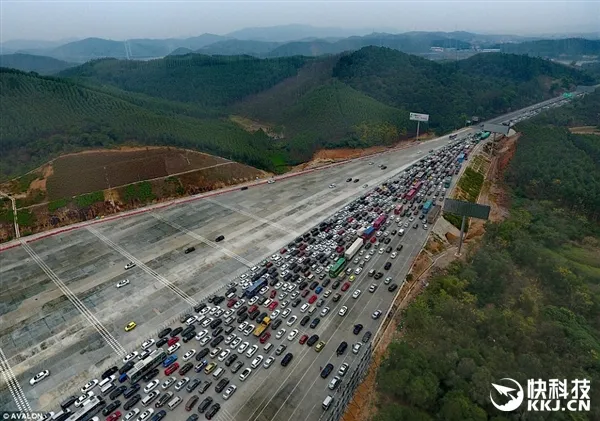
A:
[410,194]
[417,186]
[95,404]
[337,267]
[253,289]
[141,368]
[427,206]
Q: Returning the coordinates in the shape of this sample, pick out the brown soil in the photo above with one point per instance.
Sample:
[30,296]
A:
[434,245]
[585,130]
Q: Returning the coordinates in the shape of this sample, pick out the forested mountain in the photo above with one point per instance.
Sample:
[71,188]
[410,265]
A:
[233,47]
[31,63]
[43,117]
[554,48]
[525,303]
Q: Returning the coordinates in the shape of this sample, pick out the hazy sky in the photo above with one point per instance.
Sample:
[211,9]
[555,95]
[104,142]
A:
[122,19]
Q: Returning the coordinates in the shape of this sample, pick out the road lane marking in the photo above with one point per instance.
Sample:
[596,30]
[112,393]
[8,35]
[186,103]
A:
[13,385]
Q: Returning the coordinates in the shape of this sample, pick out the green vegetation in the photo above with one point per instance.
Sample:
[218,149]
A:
[7,215]
[525,304]
[141,192]
[25,218]
[57,204]
[471,183]
[30,63]
[89,199]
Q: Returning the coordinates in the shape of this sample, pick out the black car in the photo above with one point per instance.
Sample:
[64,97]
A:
[228,330]
[132,402]
[378,275]
[286,360]
[219,238]
[356,180]
[150,375]
[313,285]
[217,332]
[176,331]
[161,342]
[387,266]
[218,300]
[336,297]
[366,337]
[276,323]
[244,188]
[163,399]
[212,411]
[215,323]
[348,180]
[186,367]
[242,318]
[368,246]
[193,385]
[215,342]
[117,392]
[296,302]
[164,332]
[68,402]
[231,359]
[303,285]
[190,405]
[126,367]
[341,348]
[399,248]
[188,330]
[325,282]
[189,250]
[304,320]
[221,385]
[204,387]
[315,323]
[131,391]
[203,353]
[241,310]
[312,340]
[357,329]
[204,404]
[392,287]
[110,408]
[387,240]
[188,337]
[327,371]
[110,372]
[199,307]
[159,415]
[254,314]
[335,285]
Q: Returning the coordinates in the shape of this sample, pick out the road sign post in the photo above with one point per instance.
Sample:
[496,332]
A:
[418,118]
[465,209]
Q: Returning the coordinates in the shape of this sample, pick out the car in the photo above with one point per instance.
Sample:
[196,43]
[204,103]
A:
[39,377]
[168,383]
[326,371]
[319,346]
[148,343]
[366,337]
[393,255]
[292,335]
[169,360]
[392,287]
[229,391]
[146,414]
[111,407]
[219,238]
[89,386]
[189,250]
[189,355]
[171,369]
[181,383]
[356,348]
[287,359]
[324,311]
[129,265]
[337,298]
[173,348]
[131,414]
[376,314]
[257,361]
[315,323]
[243,347]
[341,348]
[356,293]
[387,266]
[343,311]
[151,386]
[268,362]
[373,288]
[345,286]
[357,328]
[304,320]
[130,326]
[249,329]
[123,283]
[334,383]
[343,369]
[212,411]
[224,354]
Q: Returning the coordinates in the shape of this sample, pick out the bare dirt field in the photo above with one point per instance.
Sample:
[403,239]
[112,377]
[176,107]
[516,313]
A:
[585,130]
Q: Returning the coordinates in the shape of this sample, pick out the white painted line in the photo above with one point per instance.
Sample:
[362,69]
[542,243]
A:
[204,240]
[13,385]
[110,340]
[256,218]
[143,266]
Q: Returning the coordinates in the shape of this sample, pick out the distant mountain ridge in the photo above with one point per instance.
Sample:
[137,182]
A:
[32,63]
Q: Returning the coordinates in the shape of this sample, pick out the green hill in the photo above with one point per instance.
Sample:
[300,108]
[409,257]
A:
[43,117]
[239,47]
[554,48]
[30,63]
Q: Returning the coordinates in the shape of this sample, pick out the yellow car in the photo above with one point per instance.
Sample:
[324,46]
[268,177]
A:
[130,326]
[319,346]
[352,278]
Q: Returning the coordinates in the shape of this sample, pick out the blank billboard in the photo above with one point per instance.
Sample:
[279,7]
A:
[496,128]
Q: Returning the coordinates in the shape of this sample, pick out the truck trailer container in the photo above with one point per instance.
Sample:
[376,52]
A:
[353,249]
[368,233]
[379,221]
[433,214]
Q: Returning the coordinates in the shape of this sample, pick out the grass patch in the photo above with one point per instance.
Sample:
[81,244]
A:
[140,191]
[25,218]
[57,204]
[7,216]
[89,199]
[585,256]
[456,220]
[470,183]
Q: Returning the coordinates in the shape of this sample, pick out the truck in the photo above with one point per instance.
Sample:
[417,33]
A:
[353,249]
[368,233]
[427,206]
[379,221]
[262,327]
[360,232]
[398,210]
[433,213]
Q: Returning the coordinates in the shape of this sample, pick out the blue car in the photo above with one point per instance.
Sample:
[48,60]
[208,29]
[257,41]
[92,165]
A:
[170,360]
[123,377]
[318,290]
[200,366]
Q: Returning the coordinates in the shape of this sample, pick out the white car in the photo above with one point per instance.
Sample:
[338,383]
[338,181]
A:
[280,334]
[381,250]
[332,186]
[148,343]
[286,312]
[358,270]
[151,386]
[243,347]
[343,311]
[243,326]
[263,290]
[39,377]
[424,226]
[204,340]
[252,300]
[334,383]
[294,295]
[275,314]
[123,283]
[208,321]
[244,375]
[239,303]
[356,347]
[89,386]
[144,354]
[131,414]
[205,311]
[292,335]
[267,302]
[189,355]
[228,313]
[251,351]
[224,354]
[191,320]
[201,334]
[324,311]
[257,361]
[356,293]
[83,398]
[130,357]
[292,320]
[343,369]
[215,309]
[376,314]
[278,285]
[236,342]
[230,339]
[367,257]
[181,383]
[146,414]
[249,329]
[168,383]
[393,255]
[129,265]
[268,362]
[327,293]
[173,348]
[229,391]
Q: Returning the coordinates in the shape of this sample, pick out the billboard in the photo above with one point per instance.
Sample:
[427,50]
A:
[419,117]
[463,208]
[496,128]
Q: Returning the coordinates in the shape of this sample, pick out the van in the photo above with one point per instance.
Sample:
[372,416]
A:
[106,381]
[312,309]
[150,397]
[174,402]
[218,372]
[228,320]
[268,347]
[304,308]
[107,388]
[327,402]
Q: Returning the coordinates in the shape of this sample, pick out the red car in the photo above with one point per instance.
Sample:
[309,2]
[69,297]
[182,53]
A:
[265,337]
[114,416]
[231,303]
[269,264]
[345,286]
[273,294]
[171,369]
[303,339]
[305,293]
[273,305]
[312,299]
[373,240]
[252,308]
[173,341]
[283,251]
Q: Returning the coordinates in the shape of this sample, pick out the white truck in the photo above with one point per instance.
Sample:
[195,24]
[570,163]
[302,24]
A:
[353,249]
